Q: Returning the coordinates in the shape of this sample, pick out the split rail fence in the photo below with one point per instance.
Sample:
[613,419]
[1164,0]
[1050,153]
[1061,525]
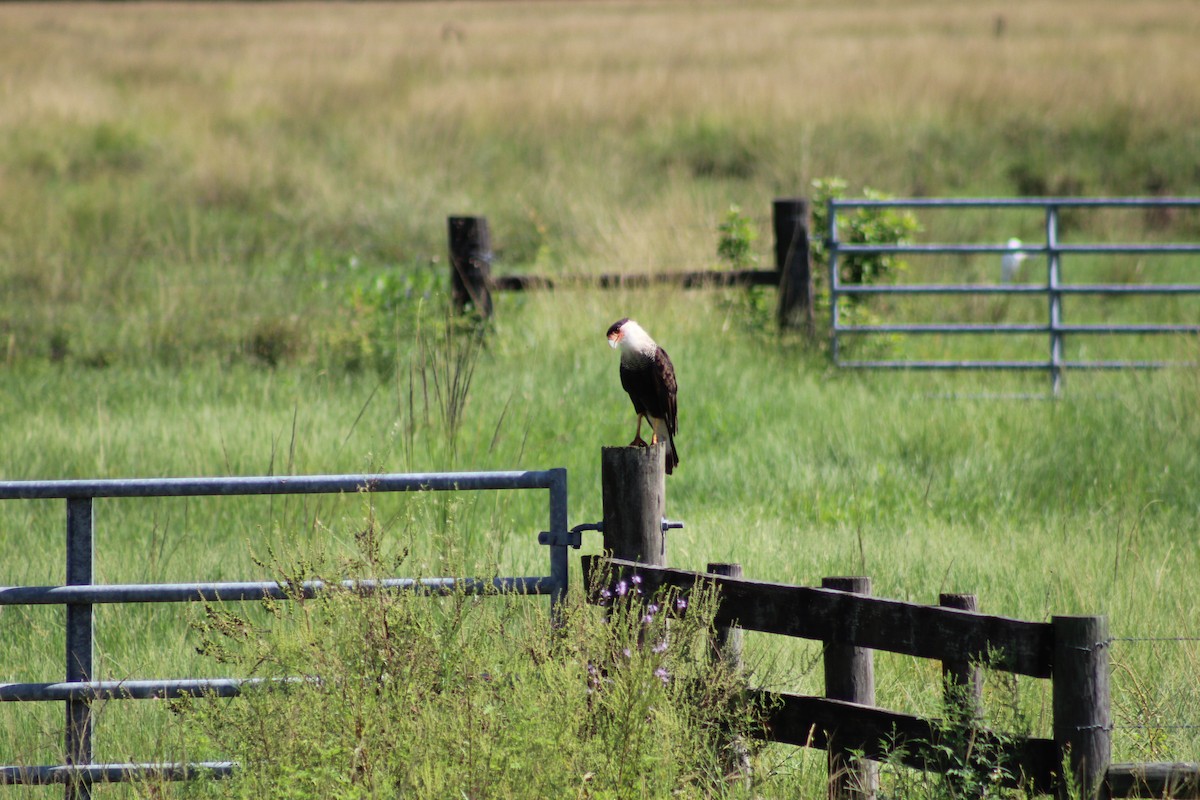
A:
[80,688]
[1070,651]
[472,282]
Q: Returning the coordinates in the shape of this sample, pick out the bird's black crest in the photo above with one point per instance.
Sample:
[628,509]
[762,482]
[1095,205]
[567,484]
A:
[616,326]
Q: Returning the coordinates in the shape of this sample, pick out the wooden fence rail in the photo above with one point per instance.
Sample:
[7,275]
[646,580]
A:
[1070,651]
[472,282]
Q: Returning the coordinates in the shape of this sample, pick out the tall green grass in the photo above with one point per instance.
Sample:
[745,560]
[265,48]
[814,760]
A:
[1080,505]
[415,697]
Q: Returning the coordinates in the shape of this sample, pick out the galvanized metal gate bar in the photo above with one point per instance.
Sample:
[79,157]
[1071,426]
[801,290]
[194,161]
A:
[113,773]
[80,594]
[1056,328]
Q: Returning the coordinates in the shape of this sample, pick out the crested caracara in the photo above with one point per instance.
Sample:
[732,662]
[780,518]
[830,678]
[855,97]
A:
[649,377]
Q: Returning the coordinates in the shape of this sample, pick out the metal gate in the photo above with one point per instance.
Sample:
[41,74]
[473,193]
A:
[1053,288]
[78,689]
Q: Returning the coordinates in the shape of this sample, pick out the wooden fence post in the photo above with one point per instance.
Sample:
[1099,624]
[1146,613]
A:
[1081,701]
[794,262]
[962,692]
[471,264]
[633,484]
[850,676]
[963,681]
[727,649]
[728,643]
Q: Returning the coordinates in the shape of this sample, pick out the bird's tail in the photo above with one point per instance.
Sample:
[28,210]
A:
[672,455]
[664,435]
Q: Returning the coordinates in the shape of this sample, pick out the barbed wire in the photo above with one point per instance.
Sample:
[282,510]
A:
[1171,726]
[1182,726]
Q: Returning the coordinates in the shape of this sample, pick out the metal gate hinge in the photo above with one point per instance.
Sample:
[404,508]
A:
[571,538]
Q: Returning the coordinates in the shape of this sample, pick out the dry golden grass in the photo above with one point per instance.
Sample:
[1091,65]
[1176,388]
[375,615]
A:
[150,149]
[159,160]
[424,71]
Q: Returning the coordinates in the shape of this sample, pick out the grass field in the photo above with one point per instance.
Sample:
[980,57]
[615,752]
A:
[222,252]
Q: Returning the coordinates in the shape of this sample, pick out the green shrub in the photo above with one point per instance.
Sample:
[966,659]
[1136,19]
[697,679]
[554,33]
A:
[383,310]
[878,226]
[736,242]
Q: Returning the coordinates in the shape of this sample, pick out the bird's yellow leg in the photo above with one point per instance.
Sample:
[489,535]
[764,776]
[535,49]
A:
[638,441]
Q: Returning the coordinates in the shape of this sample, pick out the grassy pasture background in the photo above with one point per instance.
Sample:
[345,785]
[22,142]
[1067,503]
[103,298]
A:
[223,233]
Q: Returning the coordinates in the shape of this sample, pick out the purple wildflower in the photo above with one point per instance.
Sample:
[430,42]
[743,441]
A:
[622,588]
[661,647]
[593,678]
[662,674]
[680,603]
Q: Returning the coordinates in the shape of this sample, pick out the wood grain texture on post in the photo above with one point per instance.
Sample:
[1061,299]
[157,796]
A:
[471,264]
[962,680]
[1081,699]
[793,260]
[727,650]
[850,676]
[728,641]
[634,495]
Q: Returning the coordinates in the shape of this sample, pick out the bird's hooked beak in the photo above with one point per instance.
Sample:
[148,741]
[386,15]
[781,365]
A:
[614,339]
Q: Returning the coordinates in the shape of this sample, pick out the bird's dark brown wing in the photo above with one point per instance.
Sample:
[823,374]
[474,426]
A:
[636,381]
[665,390]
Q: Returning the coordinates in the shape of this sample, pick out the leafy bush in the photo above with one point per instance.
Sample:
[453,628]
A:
[753,306]
[737,235]
[757,305]
[878,226]
[383,309]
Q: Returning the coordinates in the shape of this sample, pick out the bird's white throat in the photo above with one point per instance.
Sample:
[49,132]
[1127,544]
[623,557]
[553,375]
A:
[635,342]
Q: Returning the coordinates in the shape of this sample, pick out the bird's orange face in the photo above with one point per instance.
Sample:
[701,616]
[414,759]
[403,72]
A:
[616,331]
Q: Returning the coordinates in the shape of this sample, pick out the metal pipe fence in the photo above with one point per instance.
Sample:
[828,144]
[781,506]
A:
[1055,328]
[80,594]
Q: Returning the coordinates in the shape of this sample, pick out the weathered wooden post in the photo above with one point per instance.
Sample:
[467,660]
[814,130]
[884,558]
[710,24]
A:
[962,690]
[728,642]
[1081,700]
[727,650]
[633,485]
[794,262]
[962,680]
[850,676]
[471,264]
